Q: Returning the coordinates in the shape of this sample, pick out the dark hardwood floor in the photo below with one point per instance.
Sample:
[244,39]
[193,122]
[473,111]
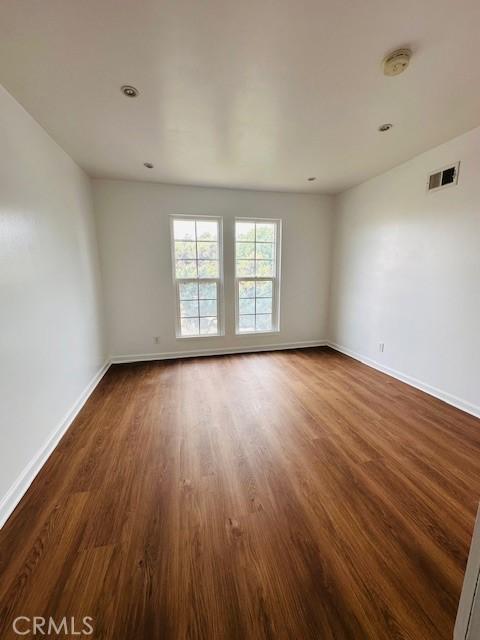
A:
[297,495]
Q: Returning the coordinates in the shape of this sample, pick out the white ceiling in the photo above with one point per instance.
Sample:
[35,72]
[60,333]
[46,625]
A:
[250,93]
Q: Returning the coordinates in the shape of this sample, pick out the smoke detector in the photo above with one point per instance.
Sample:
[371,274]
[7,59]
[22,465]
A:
[396,62]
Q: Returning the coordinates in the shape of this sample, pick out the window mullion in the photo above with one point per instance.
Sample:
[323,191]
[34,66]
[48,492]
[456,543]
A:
[196,260]
[198,279]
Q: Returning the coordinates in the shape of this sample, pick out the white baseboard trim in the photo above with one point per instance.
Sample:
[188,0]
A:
[449,398]
[144,357]
[16,492]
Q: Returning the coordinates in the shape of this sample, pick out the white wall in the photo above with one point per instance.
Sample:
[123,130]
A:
[134,237]
[406,272]
[50,339]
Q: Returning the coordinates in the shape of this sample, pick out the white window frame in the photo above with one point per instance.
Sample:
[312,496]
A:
[276,278]
[219,281]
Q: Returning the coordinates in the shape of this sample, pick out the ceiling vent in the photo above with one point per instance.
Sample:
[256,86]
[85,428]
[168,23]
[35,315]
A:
[446,177]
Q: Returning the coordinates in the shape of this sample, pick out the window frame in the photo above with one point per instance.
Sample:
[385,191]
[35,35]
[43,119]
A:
[219,281]
[275,279]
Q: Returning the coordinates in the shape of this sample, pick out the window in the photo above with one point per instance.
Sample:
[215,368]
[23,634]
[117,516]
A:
[257,271]
[197,271]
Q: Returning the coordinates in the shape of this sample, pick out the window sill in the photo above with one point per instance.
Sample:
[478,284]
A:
[211,335]
[239,334]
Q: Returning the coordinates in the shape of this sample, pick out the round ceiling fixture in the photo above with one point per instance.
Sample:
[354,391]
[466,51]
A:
[311,179]
[396,62]
[149,165]
[385,127]
[129,91]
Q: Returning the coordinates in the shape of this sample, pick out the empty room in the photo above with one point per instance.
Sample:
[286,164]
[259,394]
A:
[239,320]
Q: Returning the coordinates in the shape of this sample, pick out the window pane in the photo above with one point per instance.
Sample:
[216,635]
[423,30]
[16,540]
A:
[207,230]
[245,268]
[264,251]
[246,305]
[246,289]
[188,308]
[263,322]
[188,290]
[184,229]
[264,268]
[208,290]
[185,250]
[264,305]
[186,269]
[196,248]
[208,269]
[246,323]
[265,232]
[208,307]
[245,231]
[208,326]
[207,250]
[189,326]
[245,250]
[256,269]
[264,289]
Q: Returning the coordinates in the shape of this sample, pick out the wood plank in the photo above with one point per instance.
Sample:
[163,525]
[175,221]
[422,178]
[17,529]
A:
[293,494]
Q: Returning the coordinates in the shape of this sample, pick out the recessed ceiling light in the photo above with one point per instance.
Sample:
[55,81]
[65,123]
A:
[129,91]
[385,127]
[149,165]
[311,179]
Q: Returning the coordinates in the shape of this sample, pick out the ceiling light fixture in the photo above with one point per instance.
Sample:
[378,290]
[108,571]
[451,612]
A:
[385,127]
[311,179]
[149,165]
[129,91]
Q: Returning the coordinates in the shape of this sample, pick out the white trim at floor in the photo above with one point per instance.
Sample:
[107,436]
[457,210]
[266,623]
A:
[142,357]
[449,398]
[17,490]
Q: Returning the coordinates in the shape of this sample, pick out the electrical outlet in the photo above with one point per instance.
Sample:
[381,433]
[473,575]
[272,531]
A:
[381,346]
[156,339]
